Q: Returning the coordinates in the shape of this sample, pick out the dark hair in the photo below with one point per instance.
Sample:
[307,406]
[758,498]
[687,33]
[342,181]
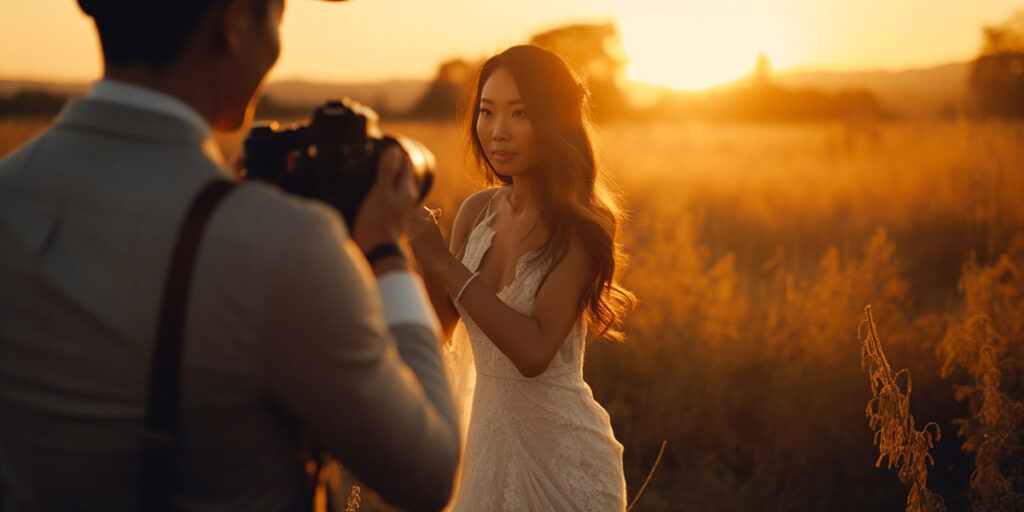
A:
[574,195]
[150,32]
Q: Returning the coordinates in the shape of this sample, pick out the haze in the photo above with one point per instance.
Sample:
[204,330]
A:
[688,44]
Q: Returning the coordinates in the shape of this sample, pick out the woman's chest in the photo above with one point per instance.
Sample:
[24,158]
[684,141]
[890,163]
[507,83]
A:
[509,249]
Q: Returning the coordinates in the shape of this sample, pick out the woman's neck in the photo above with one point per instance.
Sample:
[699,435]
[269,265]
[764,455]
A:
[521,198]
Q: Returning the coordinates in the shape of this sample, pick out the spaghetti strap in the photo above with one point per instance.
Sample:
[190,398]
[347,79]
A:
[483,216]
[485,212]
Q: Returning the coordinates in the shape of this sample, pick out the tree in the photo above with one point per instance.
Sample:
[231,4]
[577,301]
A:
[442,98]
[595,52]
[997,75]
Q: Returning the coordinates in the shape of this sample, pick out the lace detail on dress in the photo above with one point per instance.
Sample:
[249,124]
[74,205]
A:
[539,443]
[519,294]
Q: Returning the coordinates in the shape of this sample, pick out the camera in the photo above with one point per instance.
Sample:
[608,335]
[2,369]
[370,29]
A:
[332,158]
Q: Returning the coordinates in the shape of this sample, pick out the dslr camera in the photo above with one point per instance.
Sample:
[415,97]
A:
[332,158]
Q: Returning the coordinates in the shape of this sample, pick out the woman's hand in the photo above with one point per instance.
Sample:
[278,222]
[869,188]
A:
[431,252]
[425,238]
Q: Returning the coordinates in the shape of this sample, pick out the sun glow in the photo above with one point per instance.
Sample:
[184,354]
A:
[695,45]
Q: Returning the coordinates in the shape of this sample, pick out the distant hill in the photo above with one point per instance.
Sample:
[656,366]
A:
[914,92]
[385,97]
[921,92]
[12,87]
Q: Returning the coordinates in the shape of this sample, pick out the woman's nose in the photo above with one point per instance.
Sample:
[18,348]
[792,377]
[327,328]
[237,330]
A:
[500,132]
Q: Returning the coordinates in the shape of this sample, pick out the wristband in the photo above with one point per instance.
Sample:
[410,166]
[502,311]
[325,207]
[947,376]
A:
[384,250]
[458,298]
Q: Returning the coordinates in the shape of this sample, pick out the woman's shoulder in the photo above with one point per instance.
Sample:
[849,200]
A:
[469,213]
[475,205]
[477,201]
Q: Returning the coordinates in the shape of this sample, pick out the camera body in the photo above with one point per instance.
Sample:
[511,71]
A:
[332,158]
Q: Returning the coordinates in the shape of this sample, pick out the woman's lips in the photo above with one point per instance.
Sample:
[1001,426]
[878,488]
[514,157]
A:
[503,156]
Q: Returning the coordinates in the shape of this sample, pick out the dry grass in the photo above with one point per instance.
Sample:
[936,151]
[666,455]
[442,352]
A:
[352,503]
[754,249]
[889,415]
[648,479]
[986,341]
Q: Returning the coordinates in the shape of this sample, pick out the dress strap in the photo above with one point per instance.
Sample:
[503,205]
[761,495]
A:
[484,216]
[486,213]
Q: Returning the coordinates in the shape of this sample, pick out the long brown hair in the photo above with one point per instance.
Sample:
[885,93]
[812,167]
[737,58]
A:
[575,197]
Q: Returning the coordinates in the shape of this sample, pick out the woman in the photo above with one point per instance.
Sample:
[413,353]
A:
[530,268]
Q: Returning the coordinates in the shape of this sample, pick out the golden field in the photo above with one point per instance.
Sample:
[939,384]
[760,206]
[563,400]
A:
[754,250]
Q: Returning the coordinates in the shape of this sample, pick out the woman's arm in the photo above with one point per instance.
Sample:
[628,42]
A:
[446,312]
[468,213]
[529,341]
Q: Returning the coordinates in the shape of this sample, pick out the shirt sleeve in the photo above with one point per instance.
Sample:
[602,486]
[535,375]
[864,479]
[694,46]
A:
[376,397]
[406,301]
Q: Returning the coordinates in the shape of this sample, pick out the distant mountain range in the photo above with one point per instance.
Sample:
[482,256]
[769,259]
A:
[388,96]
[918,92]
[10,87]
[911,92]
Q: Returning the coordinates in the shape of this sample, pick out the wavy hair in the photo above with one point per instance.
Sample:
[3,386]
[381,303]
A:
[576,199]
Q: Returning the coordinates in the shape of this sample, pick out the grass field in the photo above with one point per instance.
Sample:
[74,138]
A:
[755,248]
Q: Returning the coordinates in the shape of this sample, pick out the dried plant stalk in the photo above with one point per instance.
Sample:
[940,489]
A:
[987,343]
[352,503]
[888,414]
[649,475]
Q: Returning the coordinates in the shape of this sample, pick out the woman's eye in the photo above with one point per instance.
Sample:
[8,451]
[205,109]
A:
[519,114]
[484,112]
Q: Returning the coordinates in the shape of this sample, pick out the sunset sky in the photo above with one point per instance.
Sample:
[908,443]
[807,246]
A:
[682,43]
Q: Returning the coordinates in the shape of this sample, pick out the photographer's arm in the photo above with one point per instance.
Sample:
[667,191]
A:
[382,405]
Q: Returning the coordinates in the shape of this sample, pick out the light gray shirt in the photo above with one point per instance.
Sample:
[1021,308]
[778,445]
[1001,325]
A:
[286,330]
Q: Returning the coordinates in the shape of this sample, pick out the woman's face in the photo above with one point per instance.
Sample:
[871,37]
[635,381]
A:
[503,126]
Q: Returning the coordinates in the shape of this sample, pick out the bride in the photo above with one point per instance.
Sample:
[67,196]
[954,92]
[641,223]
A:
[530,270]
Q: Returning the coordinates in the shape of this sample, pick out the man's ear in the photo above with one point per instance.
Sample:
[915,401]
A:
[234,23]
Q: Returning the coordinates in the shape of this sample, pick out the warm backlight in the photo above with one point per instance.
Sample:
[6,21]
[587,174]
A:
[694,46]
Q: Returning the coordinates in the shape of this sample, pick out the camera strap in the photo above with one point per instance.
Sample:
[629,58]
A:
[164,402]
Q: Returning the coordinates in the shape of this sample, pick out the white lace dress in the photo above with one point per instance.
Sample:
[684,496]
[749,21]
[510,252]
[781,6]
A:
[533,444]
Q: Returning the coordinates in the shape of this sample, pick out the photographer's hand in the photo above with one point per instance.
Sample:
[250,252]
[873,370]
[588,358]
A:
[383,216]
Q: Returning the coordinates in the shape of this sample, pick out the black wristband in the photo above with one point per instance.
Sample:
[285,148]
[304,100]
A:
[384,250]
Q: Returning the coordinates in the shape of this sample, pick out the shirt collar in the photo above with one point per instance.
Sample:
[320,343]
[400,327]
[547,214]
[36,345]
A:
[131,95]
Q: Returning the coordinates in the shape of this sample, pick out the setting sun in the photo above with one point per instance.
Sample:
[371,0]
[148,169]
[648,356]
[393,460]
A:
[694,47]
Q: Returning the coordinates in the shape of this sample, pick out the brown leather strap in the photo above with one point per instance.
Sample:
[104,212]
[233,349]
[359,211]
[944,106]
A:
[164,404]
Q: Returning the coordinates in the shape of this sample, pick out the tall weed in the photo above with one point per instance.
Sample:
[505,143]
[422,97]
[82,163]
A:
[985,343]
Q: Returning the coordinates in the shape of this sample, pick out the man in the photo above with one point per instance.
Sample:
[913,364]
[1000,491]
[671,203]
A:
[287,329]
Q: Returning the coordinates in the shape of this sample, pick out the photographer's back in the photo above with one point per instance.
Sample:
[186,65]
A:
[88,215]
